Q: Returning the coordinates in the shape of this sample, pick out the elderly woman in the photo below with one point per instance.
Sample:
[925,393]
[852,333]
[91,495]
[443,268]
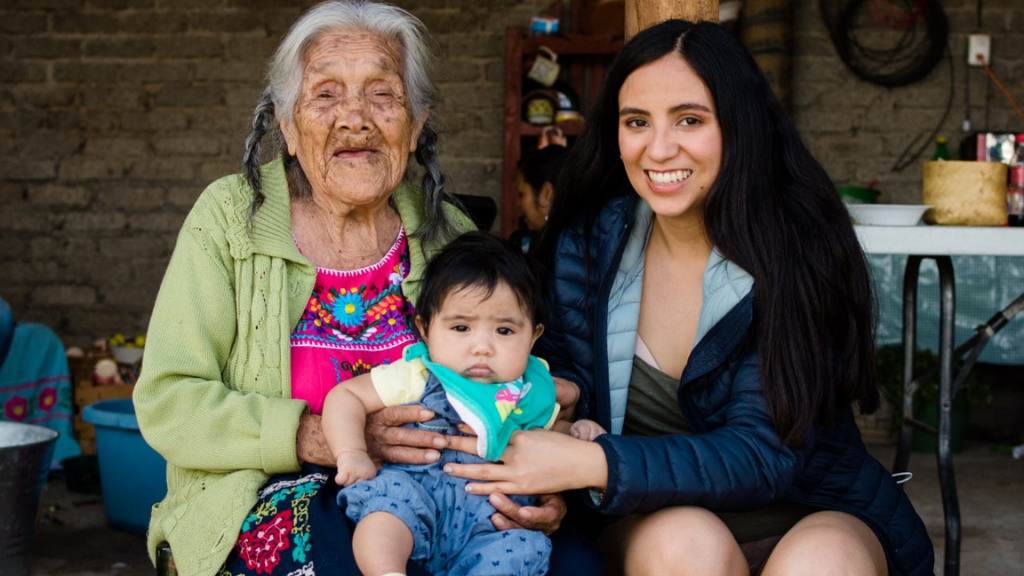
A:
[288,279]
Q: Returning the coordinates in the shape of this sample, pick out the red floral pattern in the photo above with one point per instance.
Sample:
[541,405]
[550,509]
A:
[261,547]
[16,409]
[48,399]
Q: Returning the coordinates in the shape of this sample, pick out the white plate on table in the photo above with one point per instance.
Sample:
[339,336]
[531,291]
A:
[887,214]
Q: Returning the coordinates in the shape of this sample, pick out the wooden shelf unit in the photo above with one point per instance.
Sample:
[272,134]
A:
[583,59]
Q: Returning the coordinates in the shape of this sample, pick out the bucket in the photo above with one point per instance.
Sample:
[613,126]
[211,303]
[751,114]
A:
[133,476]
[858,194]
[25,454]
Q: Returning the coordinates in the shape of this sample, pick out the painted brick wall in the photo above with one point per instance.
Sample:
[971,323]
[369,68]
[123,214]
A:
[115,114]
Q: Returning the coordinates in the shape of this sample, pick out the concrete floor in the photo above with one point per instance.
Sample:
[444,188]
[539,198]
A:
[74,538]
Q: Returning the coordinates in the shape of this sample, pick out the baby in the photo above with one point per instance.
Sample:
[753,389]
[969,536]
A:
[478,316]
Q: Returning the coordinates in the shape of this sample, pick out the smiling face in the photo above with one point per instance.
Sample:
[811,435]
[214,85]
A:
[353,129]
[486,339]
[669,136]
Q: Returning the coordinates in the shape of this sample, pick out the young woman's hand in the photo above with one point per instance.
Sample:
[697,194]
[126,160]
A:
[534,462]
[388,441]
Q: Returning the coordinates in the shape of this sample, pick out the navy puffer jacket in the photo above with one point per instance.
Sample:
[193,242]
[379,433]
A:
[734,460]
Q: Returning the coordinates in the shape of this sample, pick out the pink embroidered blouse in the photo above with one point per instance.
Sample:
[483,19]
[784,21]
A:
[354,320]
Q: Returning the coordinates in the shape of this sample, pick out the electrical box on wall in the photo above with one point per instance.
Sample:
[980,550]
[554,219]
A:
[978,49]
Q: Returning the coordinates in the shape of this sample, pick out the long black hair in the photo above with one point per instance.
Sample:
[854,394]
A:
[772,210]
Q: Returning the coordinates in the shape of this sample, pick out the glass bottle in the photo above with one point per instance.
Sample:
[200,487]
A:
[1015,185]
[941,149]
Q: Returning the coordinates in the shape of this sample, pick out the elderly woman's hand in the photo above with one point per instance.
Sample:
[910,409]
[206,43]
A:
[388,441]
[546,515]
[310,444]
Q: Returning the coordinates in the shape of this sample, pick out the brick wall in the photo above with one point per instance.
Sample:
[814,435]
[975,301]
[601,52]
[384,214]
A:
[115,114]
[858,129]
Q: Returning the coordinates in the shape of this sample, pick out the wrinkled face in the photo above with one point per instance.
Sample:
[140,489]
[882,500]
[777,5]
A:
[529,205]
[669,136]
[353,128]
[486,339]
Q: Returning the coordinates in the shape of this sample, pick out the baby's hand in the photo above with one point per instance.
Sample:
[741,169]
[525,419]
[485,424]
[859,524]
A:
[586,430]
[354,466]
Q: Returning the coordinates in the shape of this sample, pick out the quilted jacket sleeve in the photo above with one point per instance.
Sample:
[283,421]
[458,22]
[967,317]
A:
[738,462]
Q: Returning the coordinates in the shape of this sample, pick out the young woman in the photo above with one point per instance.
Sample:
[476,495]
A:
[709,297]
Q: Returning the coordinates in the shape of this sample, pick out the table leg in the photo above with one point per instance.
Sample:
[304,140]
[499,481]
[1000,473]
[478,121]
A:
[910,278]
[947,480]
[947,312]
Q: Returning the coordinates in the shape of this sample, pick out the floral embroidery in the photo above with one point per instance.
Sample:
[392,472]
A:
[302,546]
[261,547]
[348,306]
[353,320]
[16,408]
[279,521]
[47,399]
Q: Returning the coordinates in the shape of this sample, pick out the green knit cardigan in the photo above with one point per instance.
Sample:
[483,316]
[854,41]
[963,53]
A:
[214,397]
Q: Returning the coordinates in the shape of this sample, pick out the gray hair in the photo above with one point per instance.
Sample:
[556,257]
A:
[284,77]
[284,86]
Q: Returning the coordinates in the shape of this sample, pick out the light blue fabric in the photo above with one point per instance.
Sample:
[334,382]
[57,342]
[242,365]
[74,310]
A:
[624,313]
[6,329]
[35,386]
[452,529]
[724,285]
[984,286]
[495,411]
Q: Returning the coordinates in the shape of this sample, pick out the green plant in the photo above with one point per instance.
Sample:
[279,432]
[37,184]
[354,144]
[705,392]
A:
[889,369]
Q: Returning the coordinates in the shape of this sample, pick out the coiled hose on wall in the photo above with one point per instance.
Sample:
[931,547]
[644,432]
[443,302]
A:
[916,31]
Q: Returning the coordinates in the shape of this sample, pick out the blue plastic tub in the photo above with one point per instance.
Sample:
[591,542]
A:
[133,476]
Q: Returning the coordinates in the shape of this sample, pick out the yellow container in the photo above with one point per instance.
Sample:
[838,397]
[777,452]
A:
[963,193]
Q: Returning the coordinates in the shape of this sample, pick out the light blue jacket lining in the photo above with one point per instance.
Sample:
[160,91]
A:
[724,285]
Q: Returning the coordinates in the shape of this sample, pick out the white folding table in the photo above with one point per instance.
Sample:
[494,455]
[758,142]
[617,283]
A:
[941,243]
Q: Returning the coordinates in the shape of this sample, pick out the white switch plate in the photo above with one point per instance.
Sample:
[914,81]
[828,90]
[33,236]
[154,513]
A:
[978,45]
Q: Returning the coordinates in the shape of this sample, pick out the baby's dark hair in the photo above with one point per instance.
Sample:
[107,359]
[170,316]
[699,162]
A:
[479,259]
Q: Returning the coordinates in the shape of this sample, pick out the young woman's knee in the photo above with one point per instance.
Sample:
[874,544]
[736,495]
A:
[828,543]
[684,540]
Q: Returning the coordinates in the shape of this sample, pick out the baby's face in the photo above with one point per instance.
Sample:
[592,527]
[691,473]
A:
[486,339]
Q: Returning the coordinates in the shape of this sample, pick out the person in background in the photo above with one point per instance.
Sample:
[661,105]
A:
[710,298]
[35,381]
[479,316]
[288,278]
[535,180]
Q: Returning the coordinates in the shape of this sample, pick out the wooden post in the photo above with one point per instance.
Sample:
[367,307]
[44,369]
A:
[641,14]
[767,32]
